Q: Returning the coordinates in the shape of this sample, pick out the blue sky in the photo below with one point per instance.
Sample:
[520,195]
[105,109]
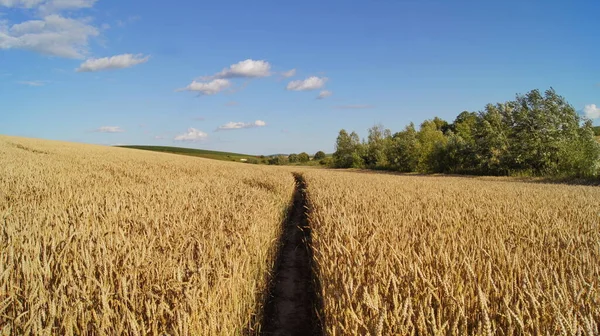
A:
[218,75]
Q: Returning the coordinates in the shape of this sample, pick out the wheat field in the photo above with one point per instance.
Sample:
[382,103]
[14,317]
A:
[106,241]
[414,255]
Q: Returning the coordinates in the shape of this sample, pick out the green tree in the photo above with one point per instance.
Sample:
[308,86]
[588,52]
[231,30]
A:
[430,140]
[277,160]
[303,157]
[541,124]
[492,140]
[403,152]
[320,155]
[379,140]
[347,151]
[293,158]
[580,157]
[459,155]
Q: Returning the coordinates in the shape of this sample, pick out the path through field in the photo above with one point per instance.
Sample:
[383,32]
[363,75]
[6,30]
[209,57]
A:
[292,303]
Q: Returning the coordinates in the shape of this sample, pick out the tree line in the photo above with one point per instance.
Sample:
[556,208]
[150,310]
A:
[535,135]
[302,158]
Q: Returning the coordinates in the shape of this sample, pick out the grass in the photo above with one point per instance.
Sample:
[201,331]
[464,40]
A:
[105,241]
[425,255]
[208,154]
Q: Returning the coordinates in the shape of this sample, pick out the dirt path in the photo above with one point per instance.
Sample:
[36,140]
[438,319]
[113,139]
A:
[292,306]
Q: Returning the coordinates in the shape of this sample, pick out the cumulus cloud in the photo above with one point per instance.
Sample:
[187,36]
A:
[110,129]
[210,88]
[53,35]
[191,135]
[324,94]
[114,62]
[288,74]
[245,69]
[354,107]
[33,83]
[20,3]
[48,5]
[591,111]
[239,125]
[311,83]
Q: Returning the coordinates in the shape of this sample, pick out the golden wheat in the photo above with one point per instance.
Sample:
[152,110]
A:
[99,240]
[420,255]
[107,241]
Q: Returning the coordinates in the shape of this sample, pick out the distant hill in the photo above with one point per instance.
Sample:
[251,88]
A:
[225,156]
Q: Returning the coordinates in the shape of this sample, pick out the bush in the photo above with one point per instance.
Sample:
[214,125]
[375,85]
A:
[325,162]
[277,160]
[320,155]
[303,157]
[293,158]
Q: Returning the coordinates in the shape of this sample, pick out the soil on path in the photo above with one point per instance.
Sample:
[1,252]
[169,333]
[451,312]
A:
[293,306]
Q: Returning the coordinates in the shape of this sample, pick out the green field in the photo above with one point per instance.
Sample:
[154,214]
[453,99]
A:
[225,156]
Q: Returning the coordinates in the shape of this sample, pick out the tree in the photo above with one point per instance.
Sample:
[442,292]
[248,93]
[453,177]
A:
[303,157]
[277,160]
[430,138]
[535,134]
[347,151]
[580,157]
[541,123]
[320,155]
[492,134]
[375,149]
[459,154]
[403,152]
[293,158]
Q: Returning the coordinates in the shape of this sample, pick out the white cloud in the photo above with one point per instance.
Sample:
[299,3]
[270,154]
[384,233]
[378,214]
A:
[114,62]
[48,6]
[20,3]
[213,87]
[53,35]
[33,83]
[110,129]
[191,135]
[592,111]
[245,69]
[239,125]
[354,107]
[288,74]
[311,83]
[324,94]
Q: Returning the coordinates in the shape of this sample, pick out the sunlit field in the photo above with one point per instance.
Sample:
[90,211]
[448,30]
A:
[419,255]
[108,241]
[103,241]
